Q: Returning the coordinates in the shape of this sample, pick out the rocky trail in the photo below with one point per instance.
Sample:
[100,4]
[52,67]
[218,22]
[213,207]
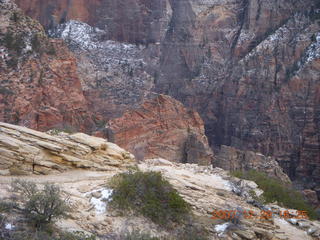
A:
[205,188]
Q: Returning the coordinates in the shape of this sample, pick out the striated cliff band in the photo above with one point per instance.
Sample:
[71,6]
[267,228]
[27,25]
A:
[249,67]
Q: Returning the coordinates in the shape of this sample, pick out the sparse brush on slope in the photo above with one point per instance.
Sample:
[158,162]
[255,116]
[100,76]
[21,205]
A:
[275,191]
[41,207]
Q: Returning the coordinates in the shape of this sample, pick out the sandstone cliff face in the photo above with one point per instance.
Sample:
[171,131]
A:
[250,68]
[24,151]
[240,65]
[39,84]
[162,127]
[133,21]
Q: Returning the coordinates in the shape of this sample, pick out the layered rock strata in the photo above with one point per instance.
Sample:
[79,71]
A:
[24,151]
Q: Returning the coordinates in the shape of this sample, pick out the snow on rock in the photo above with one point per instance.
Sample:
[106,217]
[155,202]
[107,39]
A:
[313,51]
[292,31]
[116,70]
[79,35]
[221,228]
[293,221]
[100,200]
[9,226]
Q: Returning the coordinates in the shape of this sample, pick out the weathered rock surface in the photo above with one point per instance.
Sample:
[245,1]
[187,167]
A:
[39,83]
[24,151]
[162,127]
[233,159]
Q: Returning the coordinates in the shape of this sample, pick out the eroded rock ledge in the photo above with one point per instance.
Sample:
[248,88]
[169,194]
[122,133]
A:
[24,151]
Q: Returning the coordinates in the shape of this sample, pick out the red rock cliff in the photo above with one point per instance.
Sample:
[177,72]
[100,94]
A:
[162,127]
[39,84]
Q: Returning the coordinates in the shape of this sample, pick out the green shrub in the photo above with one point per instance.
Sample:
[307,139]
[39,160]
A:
[14,42]
[8,40]
[12,62]
[149,194]
[51,49]
[36,43]
[276,191]
[40,206]
[65,129]
[15,17]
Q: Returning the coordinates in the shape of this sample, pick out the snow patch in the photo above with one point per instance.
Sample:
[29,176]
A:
[100,203]
[116,64]
[9,226]
[313,51]
[283,221]
[221,228]
[293,221]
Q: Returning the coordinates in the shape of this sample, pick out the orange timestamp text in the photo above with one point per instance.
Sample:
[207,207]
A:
[249,214]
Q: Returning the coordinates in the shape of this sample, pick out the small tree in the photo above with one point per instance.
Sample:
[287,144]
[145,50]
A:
[41,206]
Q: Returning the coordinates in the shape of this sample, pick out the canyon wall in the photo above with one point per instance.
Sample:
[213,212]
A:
[249,67]
[43,86]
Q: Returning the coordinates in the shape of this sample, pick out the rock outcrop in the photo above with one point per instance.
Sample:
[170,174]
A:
[24,151]
[233,159]
[39,83]
[162,127]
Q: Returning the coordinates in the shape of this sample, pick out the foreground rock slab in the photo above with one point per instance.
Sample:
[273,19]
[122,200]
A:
[24,151]
[205,188]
